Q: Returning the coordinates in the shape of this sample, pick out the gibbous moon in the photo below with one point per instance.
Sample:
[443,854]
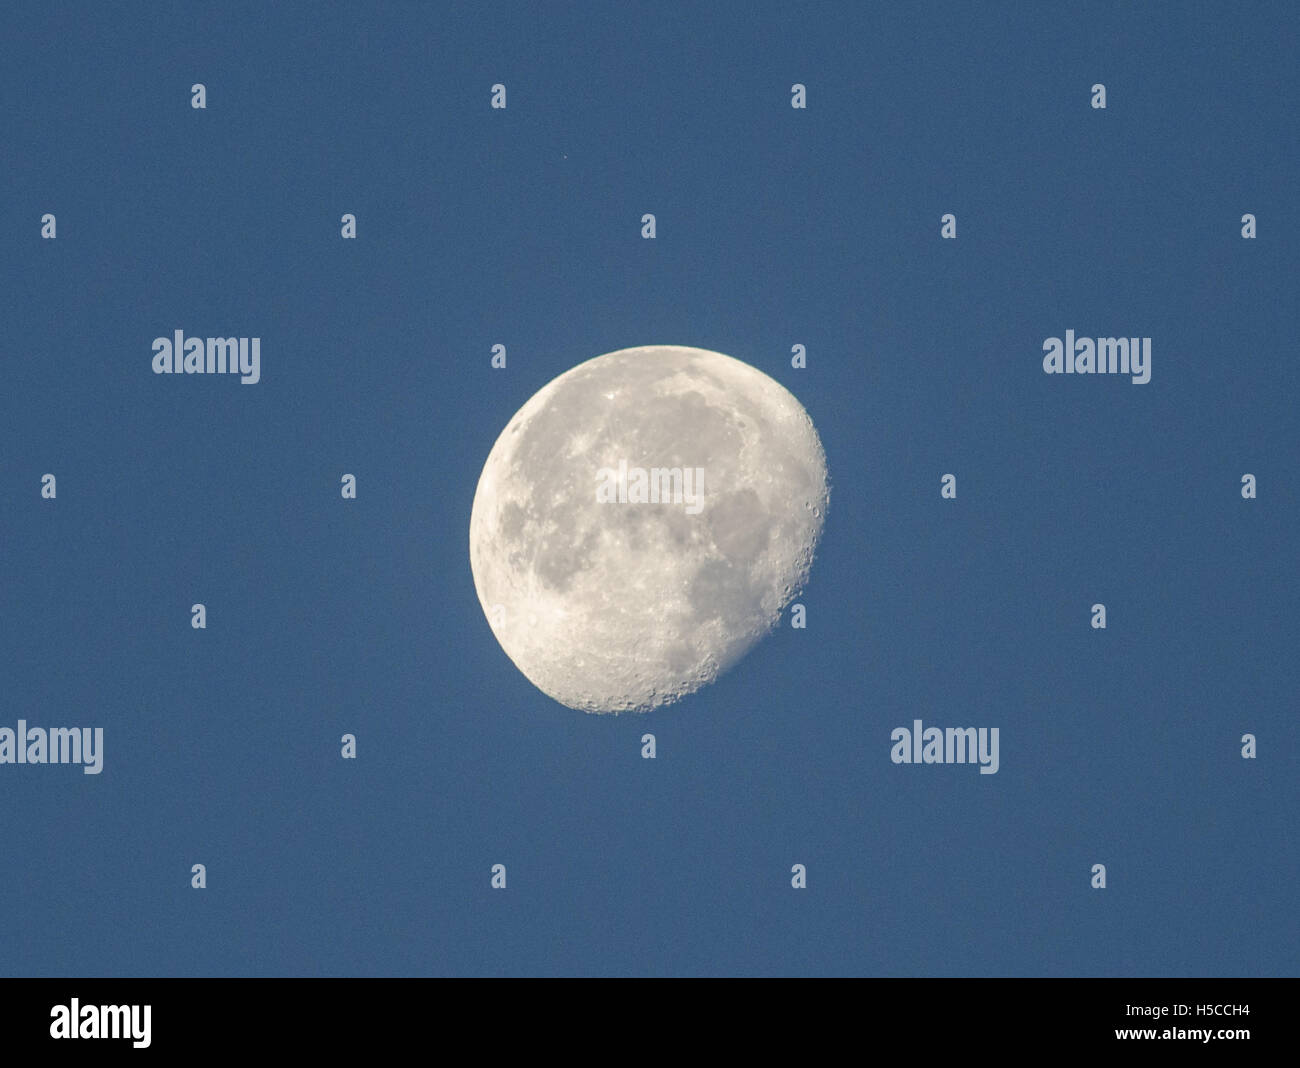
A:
[643,521]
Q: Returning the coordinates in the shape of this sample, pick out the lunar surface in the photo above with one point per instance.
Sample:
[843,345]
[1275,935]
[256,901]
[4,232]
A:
[643,521]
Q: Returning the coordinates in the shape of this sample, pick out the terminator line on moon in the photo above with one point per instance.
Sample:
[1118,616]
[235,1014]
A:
[607,600]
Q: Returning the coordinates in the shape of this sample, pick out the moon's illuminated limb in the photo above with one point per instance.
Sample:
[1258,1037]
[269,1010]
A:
[612,607]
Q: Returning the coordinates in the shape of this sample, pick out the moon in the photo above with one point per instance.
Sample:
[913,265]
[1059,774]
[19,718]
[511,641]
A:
[642,522]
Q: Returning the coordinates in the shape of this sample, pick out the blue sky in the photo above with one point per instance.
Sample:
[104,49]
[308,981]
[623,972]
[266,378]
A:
[776,227]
